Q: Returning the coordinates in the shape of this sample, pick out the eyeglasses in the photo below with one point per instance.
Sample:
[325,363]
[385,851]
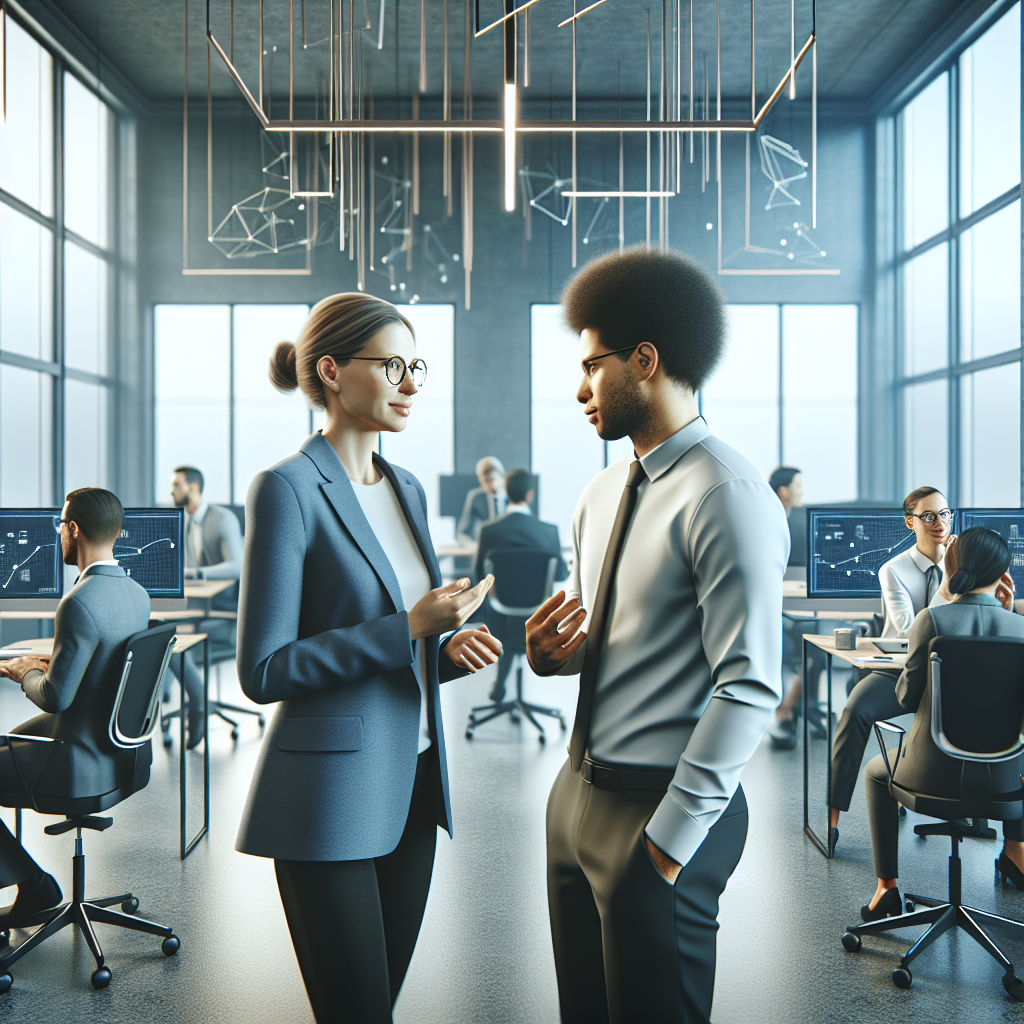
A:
[57,523]
[395,368]
[587,363]
[928,518]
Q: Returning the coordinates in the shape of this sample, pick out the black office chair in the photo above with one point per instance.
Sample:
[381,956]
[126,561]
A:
[977,707]
[522,583]
[134,718]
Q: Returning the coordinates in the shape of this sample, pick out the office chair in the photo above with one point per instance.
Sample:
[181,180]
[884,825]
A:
[522,583]
[977,706]
[133,720]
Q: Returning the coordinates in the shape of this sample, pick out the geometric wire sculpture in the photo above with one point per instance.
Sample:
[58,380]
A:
[779,163]
[265,222]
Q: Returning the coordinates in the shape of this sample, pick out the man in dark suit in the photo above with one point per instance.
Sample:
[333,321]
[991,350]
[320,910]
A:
[213,551]
[76,689]
[517,528]
[484,502]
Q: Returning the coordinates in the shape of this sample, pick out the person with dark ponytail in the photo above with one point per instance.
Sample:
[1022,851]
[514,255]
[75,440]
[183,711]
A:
[344,624]
[982,591]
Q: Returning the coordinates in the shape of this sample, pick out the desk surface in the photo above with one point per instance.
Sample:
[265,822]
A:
[42,647]
[455,550]
[867,654]
[206,590]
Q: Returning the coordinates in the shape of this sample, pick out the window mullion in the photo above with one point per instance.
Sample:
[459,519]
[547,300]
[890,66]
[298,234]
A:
[58,278]
[953,334]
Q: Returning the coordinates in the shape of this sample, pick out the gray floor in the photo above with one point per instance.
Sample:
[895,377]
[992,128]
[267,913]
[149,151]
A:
[484,954]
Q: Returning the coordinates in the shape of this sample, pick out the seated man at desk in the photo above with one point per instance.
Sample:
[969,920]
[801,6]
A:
[484,502]
[75,688]
[910,582]
[517,528]
[213,551]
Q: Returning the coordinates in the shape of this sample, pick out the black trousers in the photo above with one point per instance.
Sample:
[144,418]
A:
[872,700]
[354,923]
[20,768]
[628,945]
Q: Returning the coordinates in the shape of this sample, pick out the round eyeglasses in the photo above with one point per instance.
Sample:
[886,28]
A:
[928,518]
[395,368]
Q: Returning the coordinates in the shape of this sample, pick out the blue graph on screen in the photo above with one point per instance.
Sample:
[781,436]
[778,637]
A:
[30,555]
[1009,523]
[149,549]
[848,546]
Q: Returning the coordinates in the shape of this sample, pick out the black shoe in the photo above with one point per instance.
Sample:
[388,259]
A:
[890,905]
[196,731]
[37,898]
[782,733]
[1009,871]
[833,839]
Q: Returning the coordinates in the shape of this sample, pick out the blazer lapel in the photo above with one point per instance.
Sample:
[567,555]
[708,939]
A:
[409,499]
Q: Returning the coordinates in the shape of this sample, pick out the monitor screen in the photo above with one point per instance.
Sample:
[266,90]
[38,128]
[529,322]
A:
[846,547]
[151,551]
[1009,522]
[31,565]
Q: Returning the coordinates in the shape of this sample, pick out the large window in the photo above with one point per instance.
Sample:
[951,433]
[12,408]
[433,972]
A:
[56,224]
[958,274]
[785,393]
[230,422]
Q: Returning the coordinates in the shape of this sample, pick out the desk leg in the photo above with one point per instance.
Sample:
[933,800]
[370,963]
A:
[187,846]
[182,773]
[808,828]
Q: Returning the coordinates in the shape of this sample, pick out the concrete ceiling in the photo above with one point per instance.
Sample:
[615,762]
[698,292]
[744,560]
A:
[861,44]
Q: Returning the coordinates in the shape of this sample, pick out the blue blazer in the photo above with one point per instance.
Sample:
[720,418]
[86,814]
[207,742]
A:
[323,633]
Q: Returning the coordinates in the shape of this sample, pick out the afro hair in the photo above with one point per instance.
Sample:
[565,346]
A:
[644,294]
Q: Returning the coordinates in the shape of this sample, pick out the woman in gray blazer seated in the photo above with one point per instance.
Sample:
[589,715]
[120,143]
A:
[343,623]
[977,561]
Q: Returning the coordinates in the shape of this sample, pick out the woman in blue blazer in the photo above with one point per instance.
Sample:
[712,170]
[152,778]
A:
[342,623]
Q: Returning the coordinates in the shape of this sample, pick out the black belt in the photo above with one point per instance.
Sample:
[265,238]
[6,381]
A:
[617,779]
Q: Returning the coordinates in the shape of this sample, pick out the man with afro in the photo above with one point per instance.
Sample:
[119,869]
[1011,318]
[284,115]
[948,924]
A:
[671,617]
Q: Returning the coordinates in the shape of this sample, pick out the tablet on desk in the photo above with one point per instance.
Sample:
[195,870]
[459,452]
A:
[892,646]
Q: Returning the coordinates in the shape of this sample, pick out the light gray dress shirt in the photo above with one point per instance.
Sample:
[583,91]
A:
[904,584]
[693,661]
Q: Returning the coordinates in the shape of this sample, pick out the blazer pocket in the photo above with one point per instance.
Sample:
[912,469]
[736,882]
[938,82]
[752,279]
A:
[321,734]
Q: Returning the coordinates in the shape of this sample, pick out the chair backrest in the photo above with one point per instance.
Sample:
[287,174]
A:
[977,706]
[522,580]
[136,713]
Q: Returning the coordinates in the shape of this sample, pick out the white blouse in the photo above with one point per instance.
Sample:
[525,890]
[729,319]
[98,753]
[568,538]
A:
[387,520]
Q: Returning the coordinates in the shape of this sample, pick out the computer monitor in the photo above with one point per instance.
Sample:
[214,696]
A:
[1009,523]
[151,551]
[846,547]
[31,564]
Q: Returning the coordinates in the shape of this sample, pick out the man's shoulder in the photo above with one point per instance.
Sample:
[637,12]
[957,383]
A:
[99,596]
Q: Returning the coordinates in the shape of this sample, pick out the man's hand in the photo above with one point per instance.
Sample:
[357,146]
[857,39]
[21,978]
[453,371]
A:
[663,862]
[17,667]
[553,633]
[473,649]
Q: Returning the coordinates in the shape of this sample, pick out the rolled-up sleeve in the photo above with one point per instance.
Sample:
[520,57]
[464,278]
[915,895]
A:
[738,545]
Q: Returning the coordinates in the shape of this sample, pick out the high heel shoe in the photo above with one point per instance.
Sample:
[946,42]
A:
[1009,871]
[890,905]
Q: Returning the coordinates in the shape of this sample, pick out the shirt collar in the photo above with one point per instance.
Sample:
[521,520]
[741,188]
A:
[200,513]
[659,461]
[523,510]
[923,562]
[100,561]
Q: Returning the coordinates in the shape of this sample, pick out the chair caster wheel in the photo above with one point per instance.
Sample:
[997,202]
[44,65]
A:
[167,741]
[851,942]
[542,739]
[902,978]
[6,981]
[234,734]
[5,938]
[262,721]
[130,906]
[469,734]
[909,906]
[515,716]
[903,811]
[1013,985]
[170,945]
[561,722]
[101,977]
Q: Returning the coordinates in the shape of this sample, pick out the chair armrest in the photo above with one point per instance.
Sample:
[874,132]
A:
[879,726]
[6,737]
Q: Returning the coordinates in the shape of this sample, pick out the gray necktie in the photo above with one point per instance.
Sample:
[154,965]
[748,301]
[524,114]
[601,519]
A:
[933,579]
[599,617]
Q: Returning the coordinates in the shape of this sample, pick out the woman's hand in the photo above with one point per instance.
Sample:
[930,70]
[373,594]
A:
[1006,591]
[447,608]
[473,649]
